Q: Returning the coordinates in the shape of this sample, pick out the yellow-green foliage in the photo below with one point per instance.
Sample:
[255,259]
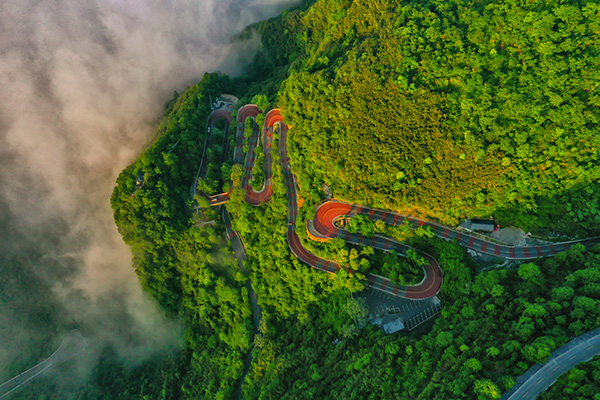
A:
[452,108]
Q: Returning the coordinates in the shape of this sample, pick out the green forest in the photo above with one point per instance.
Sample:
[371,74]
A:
[441,109]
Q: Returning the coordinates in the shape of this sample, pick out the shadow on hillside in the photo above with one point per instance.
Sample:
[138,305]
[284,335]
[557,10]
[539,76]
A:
[573,213]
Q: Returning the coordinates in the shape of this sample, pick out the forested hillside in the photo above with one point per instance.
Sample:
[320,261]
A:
[490,331]
[446,109]
[187,267]
[451,108]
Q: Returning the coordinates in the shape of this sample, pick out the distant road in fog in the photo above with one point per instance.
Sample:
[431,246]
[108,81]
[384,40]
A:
[69,347]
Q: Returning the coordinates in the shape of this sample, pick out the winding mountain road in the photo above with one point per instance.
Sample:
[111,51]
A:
[323,227]
[332,210]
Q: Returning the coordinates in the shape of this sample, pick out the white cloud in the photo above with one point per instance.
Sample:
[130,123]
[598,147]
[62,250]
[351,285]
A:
[83,86]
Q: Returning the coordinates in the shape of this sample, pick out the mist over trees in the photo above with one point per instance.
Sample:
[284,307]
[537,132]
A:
[84,84]
[442,109]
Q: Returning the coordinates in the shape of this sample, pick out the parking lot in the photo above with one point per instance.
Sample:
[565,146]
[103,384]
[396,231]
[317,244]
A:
[413,312]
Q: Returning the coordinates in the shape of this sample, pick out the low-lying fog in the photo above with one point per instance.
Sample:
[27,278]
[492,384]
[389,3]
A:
[83,84]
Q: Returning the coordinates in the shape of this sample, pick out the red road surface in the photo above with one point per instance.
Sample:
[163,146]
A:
[322,226]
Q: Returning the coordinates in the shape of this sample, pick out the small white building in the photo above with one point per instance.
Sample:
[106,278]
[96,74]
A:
[393,326]
[389,323]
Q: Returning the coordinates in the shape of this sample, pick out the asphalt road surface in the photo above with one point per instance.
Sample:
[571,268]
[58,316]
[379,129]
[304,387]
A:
[322,227]
[577,351]
[72,344]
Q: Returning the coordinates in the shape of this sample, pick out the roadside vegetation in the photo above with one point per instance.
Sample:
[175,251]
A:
[581,382]
[462,109]
[442,109]
[493,327]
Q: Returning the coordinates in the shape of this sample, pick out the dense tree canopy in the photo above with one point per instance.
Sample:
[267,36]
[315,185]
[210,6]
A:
[454,108]
[447,109]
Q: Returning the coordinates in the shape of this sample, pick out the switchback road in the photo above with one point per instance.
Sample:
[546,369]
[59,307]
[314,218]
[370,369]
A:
[323,227]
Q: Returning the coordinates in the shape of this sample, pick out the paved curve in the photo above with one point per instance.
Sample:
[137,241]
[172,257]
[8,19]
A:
[70,346]
[253,197]
[323,228]
[331,210]
[541,377]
